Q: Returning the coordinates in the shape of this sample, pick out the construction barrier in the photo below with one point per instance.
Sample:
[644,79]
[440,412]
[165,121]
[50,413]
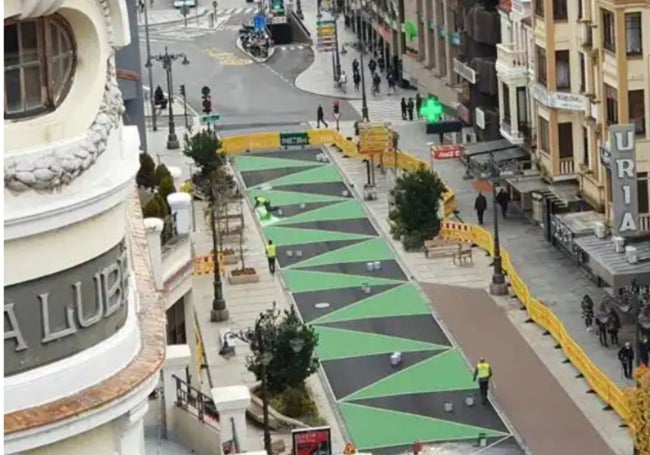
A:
[606,389]
[204,265]
[257,141]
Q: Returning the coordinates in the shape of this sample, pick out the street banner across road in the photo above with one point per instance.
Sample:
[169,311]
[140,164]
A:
[375,138]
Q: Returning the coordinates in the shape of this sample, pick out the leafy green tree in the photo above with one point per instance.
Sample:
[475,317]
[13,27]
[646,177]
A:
[161,172]
[166,188]
[415,215]
[145,176]
[287,345]
[154,208]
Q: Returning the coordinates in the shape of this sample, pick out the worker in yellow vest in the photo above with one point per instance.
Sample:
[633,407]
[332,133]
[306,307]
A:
[270,255]
[483,373]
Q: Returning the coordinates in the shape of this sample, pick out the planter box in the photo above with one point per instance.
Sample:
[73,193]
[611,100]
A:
[230,239]
[243,279]
[230,259]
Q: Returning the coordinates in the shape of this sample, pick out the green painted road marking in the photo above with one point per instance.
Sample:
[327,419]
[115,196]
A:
[373,428]
[375,249]
[403,300]
[246,163]
[347,210]
[336,344]
[287,236]
[444,372]
[309,281]
[321,174]
[282,198]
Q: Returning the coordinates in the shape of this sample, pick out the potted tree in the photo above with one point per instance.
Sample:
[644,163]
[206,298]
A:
[243,274]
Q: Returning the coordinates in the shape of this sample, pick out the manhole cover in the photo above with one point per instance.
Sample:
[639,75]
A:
[322,305]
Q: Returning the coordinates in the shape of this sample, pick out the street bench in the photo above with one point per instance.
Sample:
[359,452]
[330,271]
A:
[464,255]
[439,248]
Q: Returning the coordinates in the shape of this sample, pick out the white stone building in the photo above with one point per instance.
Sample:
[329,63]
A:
[84,317]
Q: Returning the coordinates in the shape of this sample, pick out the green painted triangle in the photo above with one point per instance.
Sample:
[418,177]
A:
[347,210]
[246,163]
[445,372]
[381,306]
[309,281]
[282,198]
[321,174]
[375,249]
[373,428]
[342,344]
[287,236]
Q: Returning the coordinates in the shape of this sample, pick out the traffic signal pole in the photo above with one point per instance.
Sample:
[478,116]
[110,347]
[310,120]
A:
[184,95]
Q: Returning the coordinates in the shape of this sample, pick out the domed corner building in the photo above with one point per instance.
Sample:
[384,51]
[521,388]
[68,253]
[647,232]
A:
[80,358]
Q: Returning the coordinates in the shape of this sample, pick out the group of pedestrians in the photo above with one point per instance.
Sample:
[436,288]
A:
[608,326]
[408,106]
[376,65]
[480,204]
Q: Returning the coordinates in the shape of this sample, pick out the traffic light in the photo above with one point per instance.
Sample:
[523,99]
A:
[207,100]
[182,90]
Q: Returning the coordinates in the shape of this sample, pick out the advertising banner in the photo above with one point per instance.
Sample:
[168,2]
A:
[625,202]
[312,441]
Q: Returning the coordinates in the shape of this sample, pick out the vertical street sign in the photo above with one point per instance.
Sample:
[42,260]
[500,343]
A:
[259,22]
[326,36]
[625,202]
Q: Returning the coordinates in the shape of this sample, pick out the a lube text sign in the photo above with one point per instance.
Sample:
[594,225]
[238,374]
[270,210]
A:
[624,180]
[55,316]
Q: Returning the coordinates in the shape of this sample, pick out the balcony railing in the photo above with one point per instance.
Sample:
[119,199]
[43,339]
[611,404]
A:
[511,55]
[191,399]
[567,166]
[644,222]
[513,136]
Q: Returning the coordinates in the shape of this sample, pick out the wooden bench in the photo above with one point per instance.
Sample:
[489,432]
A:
[464,255]
[439,248]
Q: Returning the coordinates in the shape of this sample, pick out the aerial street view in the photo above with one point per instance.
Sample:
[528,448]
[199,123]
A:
[327,227]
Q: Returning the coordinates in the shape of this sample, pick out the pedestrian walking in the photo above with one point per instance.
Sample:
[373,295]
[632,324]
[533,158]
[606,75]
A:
[626,356]
[409,106]
[480,205]
[355,66]
[372,65]
[588,312]
[270,256]
[376,81]
[403,106]
[483,373]
[320,115]
[601,323]
[503,199]
[644,351]
[418,105]
[381,64]
[391,83]
[613,326]
[357,79]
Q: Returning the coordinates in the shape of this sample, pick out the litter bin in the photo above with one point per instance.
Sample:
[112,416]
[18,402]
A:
[538,207]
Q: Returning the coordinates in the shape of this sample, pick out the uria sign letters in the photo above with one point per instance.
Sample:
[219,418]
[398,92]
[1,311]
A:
[624,182]
[53,317]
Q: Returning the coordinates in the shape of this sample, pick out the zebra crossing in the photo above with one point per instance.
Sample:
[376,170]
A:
[296,47]
[383,110]
[236,11]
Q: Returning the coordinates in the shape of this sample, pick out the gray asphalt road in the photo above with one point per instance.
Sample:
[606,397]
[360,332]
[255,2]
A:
[243,92]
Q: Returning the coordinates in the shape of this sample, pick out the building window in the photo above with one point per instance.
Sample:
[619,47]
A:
[560,12]
[540,58]
[39,65]
[609,30]
[522,106]
[636,105]
[611,106]
[562,70]
[583,69]
[642,191]
[565,138]
[544,140]
[586,160]
[506,104]
[539,8]
[580,7]
[633,35]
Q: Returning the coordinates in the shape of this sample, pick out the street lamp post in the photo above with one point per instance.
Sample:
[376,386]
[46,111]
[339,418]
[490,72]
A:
[145,9]
[219,311]
[299,9]
[167,61]
[364,99]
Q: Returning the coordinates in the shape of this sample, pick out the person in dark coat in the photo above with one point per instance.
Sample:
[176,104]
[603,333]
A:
[613,326]
[372,65]
[357,79]
[409,106]
[626,356]
[320,115]
[480,205]
[588,312]
[601,323]
[644,351]
[418,105]
[403,106]
[503,199]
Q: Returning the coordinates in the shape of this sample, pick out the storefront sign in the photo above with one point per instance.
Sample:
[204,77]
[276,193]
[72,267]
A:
[479,118]
[375,138]
[559,100]
[625,203]
[312,441]
[384,33]
[446,152]
[53,317]
[464,71]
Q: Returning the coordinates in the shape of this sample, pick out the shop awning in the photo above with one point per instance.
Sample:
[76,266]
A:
[525,185]
[501,150]
[612,267]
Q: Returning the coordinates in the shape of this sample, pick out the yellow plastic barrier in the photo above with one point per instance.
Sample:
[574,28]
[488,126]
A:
[257,141]
[606,389]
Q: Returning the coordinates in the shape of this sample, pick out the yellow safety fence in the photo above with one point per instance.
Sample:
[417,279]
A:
[606,389]
[204,265]
[271,140]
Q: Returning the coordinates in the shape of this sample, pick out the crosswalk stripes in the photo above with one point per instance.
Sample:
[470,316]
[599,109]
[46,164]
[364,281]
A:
[235,11]
[297,47]
[384,110]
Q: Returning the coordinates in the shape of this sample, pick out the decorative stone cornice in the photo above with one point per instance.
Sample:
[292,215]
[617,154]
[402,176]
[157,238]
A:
[35,8]
[51,169]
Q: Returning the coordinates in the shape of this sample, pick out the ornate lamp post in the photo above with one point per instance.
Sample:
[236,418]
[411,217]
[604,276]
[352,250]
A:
[362,48]
[167,61]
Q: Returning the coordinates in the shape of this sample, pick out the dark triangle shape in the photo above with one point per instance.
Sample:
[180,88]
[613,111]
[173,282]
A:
[252,178]
[329,189]
[302,155]
[414,327]
[368,370]
[354,226]
[389,269]
[309,250]
[337,299]
[296,209]
[433,405]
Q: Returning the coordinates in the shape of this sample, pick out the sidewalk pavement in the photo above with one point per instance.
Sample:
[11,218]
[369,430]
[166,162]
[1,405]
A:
[540,419]
[318,77]
[170,15]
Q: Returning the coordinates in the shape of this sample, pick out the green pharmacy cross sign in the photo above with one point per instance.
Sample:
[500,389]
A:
[411,30]
[432,110]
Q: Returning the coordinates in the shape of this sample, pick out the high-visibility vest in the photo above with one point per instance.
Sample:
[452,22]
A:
[483,369]
[260,199]
[270,251]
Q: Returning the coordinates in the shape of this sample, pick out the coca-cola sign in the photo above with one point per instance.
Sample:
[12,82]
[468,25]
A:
[446,152]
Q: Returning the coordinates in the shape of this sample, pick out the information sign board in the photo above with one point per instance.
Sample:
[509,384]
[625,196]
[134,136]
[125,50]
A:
[288,139]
